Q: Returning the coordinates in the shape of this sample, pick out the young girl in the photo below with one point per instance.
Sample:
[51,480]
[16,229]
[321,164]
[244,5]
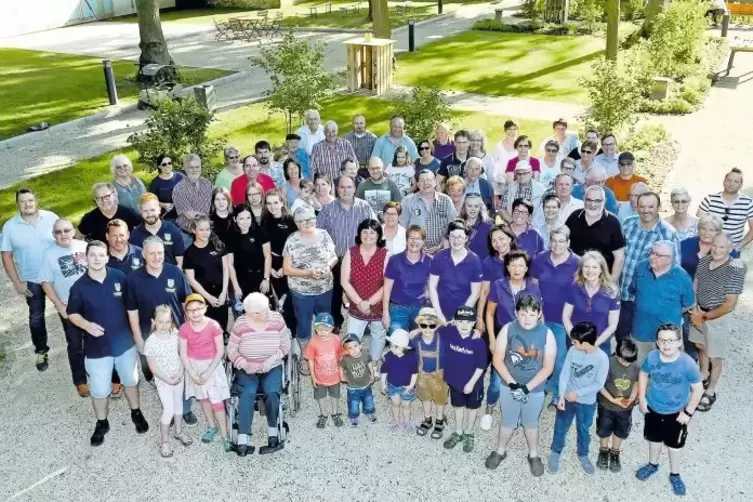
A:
[161,351]
[399,376]
[402,171]
[306,196]
[201,351]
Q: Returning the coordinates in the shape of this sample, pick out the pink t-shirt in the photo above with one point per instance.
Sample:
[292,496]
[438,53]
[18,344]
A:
[200,343]
[535,166]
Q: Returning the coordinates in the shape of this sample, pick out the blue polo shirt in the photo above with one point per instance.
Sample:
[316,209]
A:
[479,239]
[170,235]
[455,281]
[146,292]
[610,204]
[103,303]
[554,282]
[131,262]
[28,243]
[501,294]
[594,308]
[659,300]
[530,241]
[409,287]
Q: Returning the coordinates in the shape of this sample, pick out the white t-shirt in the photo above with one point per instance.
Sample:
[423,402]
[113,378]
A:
[164,350]
[402,176]
[61,267]
[549,173]
[398,243]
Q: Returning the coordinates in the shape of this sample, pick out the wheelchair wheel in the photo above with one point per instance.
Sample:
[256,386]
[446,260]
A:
[232,419]
[295,377]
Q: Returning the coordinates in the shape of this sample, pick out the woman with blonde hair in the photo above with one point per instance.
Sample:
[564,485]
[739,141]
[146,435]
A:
[129,187]
[443,144]
[454,187]
[593,297]
[477,141]
[255,201]
[323,189]
[685,224]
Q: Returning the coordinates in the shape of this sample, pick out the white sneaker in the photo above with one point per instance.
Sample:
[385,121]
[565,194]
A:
[486,422]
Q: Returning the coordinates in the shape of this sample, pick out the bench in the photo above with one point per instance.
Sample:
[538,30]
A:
[735,46]
[355,8]
[223,30]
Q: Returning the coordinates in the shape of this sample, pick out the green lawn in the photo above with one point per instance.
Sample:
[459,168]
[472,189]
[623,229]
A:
[504,64]
[66,192]
[54,88]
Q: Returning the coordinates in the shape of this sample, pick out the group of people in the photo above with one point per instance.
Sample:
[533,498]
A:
[553,273]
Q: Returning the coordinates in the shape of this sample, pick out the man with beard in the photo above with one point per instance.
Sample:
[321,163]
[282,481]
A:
[268,166]
[378,189]
[93,225]
[153,225]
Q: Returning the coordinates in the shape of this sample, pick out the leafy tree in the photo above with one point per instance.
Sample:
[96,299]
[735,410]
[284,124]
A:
[299,79]
[151,39]
[423,110]
[613,94]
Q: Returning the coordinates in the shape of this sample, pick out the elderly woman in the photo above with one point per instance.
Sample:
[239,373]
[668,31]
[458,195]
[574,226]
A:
[426,158]
[477,148]
[555,270]
[291,169]
[454,187]
[527,237]
[523,147]
[163,184]
[307,261]
[443,145]
[475,184]
[405,280]
[685,224]
[550,163]
[476,216]
[362,279]
[546,219]
[258,344]
[593,297]
[129,188]
[394,232]
[232,169]
[455,275]
[323,190]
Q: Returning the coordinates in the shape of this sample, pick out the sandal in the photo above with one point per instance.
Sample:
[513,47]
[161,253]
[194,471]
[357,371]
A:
[166,450]
[184,439]
[337,419]
[710,400]
[438,429]
[424,427]
[706,383]
[321,422]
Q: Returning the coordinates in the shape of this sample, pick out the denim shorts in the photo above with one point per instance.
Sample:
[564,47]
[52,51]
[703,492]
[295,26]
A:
[100,372]
[395,390]
[516,413]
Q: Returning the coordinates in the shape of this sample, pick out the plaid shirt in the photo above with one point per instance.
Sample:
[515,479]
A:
[637,246]
[433,220]
[363,146]
[189,196]
[523,192]
[326,157]
[342,223]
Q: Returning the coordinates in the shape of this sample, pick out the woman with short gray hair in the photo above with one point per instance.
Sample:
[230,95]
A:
[685,224]
[129,188]
[232,169]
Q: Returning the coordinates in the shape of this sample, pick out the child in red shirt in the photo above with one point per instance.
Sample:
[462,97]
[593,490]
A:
[324,353]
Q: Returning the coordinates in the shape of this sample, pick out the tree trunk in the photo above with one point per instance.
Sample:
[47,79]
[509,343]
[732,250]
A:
[152,40]
[613,24]
[653,8]
[381,15]
[370,17]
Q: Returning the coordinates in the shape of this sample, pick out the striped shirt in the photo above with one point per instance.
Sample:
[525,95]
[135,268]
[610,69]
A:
[190,196]
[638,243]
[433,219]
[258,350]
[713,286]
[734,215]
[327,157]
[341,223]
[363,145]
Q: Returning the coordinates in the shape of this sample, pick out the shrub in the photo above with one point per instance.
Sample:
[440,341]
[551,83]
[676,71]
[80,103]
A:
[644,138]
[568,29]
[246,4]
[423,109]
[675,42]
[613,96]
[589,11]
[632,9]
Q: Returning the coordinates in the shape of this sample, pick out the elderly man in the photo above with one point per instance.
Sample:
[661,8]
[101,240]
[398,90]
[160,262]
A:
[62,264]
[609,158]
[25,237]
[385,146]
[311,132]
[431,210]
[735,209]
[719,280]
[361,139]
[328,155]
[295,152]
[640,233]
[192,196]
[663,290]
[267,166]
[123,256]
[593,228]
[622,182]
[378,189]
[595,176]
[631,208]
[96,306]
[93,225]
[453,165]
[474,183]
[524,187]
[153,225]
[232,169]
[253,174]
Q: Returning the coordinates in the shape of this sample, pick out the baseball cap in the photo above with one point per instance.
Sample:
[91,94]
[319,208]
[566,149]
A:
[465,314]
[351,337]
[194,297]
[323,318]
[292,136]
[522,165]
[625,157]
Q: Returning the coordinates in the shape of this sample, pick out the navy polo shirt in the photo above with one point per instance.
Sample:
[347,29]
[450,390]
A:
[170,235]
[554,282]
[659,300]
[131,262]
[103,303]
[146,292]
[409,287]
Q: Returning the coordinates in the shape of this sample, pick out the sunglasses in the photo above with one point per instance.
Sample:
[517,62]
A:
[552,150]
[726,214]
[166,164]
[426,326]
[424,148]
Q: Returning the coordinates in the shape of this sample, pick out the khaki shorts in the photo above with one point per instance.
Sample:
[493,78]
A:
[713,336]
[432,387]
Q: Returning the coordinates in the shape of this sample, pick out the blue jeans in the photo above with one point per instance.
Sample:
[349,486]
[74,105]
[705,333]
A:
[560,336]
[403,316]
[584,418]
[271,385]
[358,397]
[495,388]
[306,307]
[37,325]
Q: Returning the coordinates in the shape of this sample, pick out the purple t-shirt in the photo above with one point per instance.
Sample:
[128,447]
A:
[501,294]
[454,285]
[594,309]
[554,282]
[530,241]
[442,151]
[410,279]
[460,357]
[493,268]
[400,370]
[479,240]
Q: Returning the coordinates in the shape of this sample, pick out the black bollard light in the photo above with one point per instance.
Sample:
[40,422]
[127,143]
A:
[411,36]
[725,24]
[112,91]
[439,6]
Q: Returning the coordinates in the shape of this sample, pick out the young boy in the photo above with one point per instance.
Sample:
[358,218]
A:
[399,375]
[357,371]
[465,358]
[669,390]
[324,353]
[583,375]
[616,401]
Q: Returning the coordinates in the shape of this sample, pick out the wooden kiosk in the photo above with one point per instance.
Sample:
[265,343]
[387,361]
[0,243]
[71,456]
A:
[369,64]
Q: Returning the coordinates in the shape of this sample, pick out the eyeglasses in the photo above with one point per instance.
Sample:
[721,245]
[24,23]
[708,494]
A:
[252,194]
[124,166]
[521,212]
[594,201]
[555,241]
[427,326]
[195,310]
[310,220]
[105,197]
[586,152]
[681,201]
[233,157]
[62,231]
[666,341]
[424,148]
[168,163]
[552,150]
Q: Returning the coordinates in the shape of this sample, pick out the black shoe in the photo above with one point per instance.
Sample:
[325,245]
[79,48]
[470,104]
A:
[243,449]
[41,361]
[273,445]
[102,428]
[603,461]
[614,461]
[190,419]
[139,421]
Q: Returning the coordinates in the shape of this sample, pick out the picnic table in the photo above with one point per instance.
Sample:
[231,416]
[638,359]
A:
[736,45]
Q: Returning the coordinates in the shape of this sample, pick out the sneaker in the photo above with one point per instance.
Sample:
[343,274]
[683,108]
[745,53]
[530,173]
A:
[102,428]
[678,485]
[273,444]
[139,421]
[486,422]
[226,444]
[115,393]
[553,463]
[184,439]
[645,472]
[83,390]
[588,467]
[536,466]
[468,442]
[166,450]
[354,422]
[372,417]
[208,436]
[321,422]
[614,461]
[494,459]
[190,419]
[603,461]
[337,419]
[41,361]
[453,441]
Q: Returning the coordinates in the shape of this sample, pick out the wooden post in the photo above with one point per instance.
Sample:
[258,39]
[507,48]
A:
[613,26]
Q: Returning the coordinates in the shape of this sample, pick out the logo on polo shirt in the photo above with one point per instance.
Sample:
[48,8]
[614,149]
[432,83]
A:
[170,286]
[168,240]
[117,290]
[136,263]
[417,212]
